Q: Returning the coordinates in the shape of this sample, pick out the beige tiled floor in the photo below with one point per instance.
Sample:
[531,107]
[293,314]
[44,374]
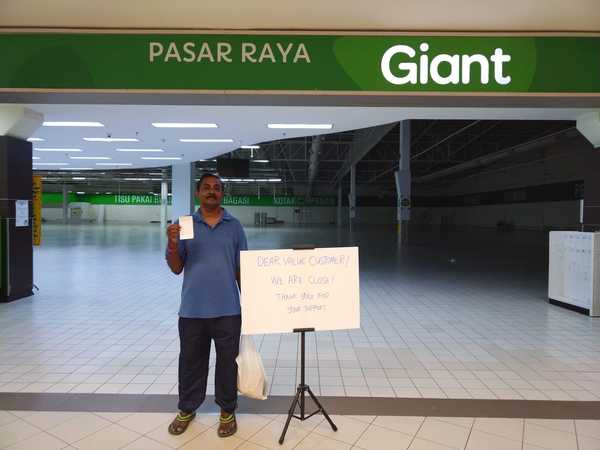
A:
[477,328]
[38,430]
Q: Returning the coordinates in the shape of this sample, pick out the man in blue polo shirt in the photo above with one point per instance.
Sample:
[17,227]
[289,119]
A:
[210,305]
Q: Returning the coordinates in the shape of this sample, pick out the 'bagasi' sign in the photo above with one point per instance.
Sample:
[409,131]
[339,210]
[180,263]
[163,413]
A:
[299,62]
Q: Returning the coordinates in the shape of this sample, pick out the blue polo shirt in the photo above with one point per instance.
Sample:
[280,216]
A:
[211,261]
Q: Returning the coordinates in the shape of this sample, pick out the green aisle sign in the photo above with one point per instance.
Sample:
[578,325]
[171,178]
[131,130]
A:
[357,63]
[54,198]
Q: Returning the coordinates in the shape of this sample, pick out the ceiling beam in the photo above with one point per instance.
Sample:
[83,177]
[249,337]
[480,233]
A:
[364,140]
[499,155]
[450,136]
[313,163]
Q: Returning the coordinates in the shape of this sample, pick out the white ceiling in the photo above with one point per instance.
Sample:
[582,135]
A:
[419,15]
[245,124]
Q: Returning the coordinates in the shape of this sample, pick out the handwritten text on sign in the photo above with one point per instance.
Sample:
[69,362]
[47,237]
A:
[287,289]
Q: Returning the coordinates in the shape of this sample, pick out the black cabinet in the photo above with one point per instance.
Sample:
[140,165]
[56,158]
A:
[16,250]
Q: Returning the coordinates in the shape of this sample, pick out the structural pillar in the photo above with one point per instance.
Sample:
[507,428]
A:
[352,197]
[16,192]
[65,203]
[403,177]
[101,214]
[182,190]
[164,200]
[339,206]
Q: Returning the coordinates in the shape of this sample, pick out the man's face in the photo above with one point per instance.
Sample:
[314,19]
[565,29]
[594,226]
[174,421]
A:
[210,192]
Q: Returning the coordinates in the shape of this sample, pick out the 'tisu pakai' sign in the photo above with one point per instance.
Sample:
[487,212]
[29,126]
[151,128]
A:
[299,62]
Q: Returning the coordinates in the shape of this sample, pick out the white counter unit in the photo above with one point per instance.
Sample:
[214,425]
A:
[574,271]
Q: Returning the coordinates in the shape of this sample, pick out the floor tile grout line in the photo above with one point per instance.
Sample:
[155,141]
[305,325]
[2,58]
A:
[259,430]
[365,430]
[522,434]
[417,432]
[469,435]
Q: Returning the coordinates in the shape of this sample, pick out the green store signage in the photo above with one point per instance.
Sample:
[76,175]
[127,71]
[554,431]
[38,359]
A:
[50,198]
[515,64]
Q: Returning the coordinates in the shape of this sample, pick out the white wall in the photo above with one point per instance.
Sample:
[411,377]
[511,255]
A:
[52,214]
[394,15]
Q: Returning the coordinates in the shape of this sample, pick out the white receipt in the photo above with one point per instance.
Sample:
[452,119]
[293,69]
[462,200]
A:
[187,227]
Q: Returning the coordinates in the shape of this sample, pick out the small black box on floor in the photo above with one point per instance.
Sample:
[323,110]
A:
[16,250]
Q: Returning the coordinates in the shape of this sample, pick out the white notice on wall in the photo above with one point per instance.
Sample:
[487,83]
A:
[287,289]
[22,213]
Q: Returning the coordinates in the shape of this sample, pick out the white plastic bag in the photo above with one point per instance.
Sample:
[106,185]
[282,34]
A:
[252,379]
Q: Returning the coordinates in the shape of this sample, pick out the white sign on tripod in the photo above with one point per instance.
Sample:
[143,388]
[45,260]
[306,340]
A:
[287,289]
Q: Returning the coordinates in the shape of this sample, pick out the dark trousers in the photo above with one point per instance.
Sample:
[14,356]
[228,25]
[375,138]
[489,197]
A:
[194,337]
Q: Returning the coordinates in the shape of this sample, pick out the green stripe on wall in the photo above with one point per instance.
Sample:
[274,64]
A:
[53,198]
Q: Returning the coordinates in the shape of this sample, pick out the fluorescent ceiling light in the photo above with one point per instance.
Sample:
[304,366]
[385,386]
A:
[80,193]
[206,140]
[50,164]
[114,164]
[108,193]
[149,150]
[78,178]
[36,139]
[274,180]
[250,147]
[64,150]
[111,139]
[89,157]
[35,157]
[166,158]
[73,124]
[208,160]
[183,125]
[260,160]
[300,126]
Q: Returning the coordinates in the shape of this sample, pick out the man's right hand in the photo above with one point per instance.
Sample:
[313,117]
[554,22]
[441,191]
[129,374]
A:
[173,233]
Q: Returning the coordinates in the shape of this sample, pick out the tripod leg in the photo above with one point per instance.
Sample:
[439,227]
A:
[289,417]
[333,427]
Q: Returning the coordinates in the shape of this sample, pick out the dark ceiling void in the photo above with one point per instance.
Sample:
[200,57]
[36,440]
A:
[440,149]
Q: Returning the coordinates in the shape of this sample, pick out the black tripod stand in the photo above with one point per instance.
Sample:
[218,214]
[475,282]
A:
[299,398]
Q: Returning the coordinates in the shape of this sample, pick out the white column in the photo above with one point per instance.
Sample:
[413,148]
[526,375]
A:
[164,199]
[352,196]
[101,214]
[18,121]
[339,206]
[65,203]
[182,190]
[589,125]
